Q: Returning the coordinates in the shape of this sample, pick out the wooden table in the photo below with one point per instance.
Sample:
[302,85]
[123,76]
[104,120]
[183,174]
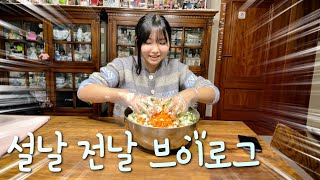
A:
[75,129]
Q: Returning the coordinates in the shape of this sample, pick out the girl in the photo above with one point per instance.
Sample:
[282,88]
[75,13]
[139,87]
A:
[129,81]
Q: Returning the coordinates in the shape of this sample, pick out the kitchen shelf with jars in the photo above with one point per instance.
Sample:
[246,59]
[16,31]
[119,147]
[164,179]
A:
[190,37]
[22,39]
[73,43]
[144,4]
[71,37]
[65,96]
[23,78]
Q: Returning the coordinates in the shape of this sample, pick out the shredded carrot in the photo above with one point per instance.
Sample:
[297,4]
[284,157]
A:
[141,120]
[162,119]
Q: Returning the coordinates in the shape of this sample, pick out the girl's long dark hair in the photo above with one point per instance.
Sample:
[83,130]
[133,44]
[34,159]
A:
[143,29]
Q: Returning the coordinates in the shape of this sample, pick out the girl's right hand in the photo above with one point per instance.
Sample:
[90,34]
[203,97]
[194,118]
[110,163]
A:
[181,102]
[138,103]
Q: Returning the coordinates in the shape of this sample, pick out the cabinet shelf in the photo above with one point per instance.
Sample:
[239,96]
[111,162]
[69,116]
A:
[193,46]
[126,45]
[70,42]
[65,90]
[26,60]
[23,41]
[195,69]
[176,46]
[37,89]
[70,63]
[75,56]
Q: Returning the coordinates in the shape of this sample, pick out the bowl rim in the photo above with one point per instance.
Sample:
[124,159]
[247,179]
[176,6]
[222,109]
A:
[128,110]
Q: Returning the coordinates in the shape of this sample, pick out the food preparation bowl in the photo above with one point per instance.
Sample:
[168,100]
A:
[145,135]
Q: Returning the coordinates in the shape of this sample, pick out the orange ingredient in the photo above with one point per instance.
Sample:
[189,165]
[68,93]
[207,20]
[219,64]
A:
[141,120]
[162,119]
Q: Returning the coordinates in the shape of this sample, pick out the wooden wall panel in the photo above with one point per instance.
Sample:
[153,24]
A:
[247,34]
[290,70]
[242,99]
[242,68]
[266,52]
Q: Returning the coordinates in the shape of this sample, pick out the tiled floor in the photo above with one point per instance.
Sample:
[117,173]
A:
[298,169]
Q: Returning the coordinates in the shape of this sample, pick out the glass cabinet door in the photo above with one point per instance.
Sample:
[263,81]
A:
[14,50]
[35,82]
[17,78]
[66,85]
[187,41]
[193,46]
[192,56]
[193,36]
[126,35]
[13,30]
[23,39]
[176,36]
[186,44]
[175,53]
[76,53]
[78,78]
[125,41]
[176,44]
[63,80]
[72,42]
[34,37]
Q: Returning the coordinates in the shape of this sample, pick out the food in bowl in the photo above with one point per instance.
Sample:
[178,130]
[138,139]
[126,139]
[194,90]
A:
[160,118]
[145,135]
[163,119]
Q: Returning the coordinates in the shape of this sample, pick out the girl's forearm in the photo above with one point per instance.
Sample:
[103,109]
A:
[206,95]
[95,93]
[203,95]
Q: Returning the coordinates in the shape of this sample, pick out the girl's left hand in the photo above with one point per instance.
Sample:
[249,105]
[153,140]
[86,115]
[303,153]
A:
[139,103]
[181,102]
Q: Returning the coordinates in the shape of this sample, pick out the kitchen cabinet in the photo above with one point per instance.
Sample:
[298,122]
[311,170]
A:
[71,37]
[24,79]
[190,38]
[75,52]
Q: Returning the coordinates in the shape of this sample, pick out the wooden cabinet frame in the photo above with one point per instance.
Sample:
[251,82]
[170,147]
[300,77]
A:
[62,15]
[177,19]
[116,16]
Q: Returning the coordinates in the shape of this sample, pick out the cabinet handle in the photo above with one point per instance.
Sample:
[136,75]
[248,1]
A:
[227,55]
[68,100]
